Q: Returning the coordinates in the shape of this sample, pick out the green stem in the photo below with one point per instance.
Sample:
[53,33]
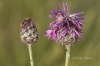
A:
[67,54]
[30,54]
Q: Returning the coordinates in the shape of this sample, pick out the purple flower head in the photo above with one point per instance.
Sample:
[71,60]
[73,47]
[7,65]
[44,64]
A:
[67,27]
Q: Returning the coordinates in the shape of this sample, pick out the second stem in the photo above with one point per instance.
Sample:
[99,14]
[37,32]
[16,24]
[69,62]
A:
[67,47]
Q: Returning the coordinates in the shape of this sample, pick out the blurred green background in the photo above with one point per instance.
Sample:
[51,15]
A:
[47,52]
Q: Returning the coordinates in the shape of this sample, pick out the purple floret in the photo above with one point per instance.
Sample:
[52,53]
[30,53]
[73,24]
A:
[67,27]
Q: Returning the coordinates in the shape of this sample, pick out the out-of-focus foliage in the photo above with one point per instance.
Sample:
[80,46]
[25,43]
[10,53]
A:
[47,52]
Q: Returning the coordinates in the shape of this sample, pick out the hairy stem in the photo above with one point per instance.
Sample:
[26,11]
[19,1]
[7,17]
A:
[30,54]
[67,54]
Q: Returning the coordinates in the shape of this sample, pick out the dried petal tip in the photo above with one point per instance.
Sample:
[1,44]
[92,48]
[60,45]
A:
[29,33]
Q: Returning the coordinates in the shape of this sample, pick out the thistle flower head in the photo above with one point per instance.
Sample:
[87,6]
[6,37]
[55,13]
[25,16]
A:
[29,33]
[67,27]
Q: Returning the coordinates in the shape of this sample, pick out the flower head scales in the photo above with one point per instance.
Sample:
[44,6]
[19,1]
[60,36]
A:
[67,27]
[29,32]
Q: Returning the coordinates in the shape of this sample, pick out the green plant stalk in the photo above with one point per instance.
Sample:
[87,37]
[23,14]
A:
[67,47]
[30,54]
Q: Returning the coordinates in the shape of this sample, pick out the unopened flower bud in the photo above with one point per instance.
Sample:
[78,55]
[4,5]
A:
[29,33]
